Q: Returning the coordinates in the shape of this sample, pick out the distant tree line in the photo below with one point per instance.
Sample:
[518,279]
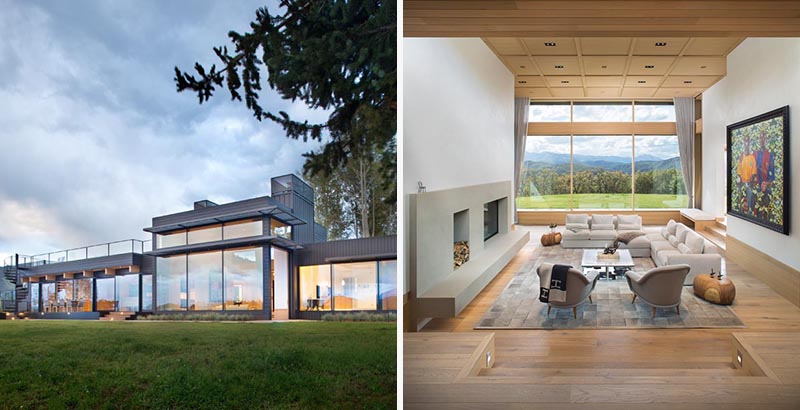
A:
[601,181]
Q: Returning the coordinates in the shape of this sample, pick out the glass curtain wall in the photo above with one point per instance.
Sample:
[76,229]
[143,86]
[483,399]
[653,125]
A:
[205,281]
[171,283]
[658,175]
[244,279]
[355,286]
[147,293]
[127,293]
[244,229]
[48,297]
[601,172]
[83,293]
[104,289]
[34,287]
[315,287]
[387,272]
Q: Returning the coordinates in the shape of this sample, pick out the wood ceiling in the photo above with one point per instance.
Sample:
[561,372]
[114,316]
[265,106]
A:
[601,18]
[613,67]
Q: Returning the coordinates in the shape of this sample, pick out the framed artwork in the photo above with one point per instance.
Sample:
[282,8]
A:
[758,170]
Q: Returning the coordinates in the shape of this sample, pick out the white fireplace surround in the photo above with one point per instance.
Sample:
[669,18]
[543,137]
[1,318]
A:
[437,289]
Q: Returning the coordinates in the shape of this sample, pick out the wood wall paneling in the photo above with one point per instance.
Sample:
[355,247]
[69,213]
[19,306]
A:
[601,128]
[782,278]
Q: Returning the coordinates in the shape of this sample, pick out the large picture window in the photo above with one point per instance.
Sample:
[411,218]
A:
[601,172]
[545,176]
[171,283]
[355,286]
[244,279]
[205,281]
[658,176]
[315,287]
[349,286]
[128,293]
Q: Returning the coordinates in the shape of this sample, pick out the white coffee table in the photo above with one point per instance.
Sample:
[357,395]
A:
[590,260]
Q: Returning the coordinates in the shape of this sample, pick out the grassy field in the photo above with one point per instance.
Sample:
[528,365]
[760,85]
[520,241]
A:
[72,364]
[602,201]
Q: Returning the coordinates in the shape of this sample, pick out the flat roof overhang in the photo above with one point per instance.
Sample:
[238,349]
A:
[226,244]
[279,212]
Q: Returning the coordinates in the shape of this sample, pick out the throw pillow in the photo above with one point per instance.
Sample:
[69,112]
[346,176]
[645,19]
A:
[673,240]
[683,248]
[665,232]
[694,242]
[672,226]
[578,219]
[602,227]
[681,232]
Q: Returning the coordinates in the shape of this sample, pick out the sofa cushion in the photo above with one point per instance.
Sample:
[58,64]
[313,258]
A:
[639,242]
[602,220]
[673,240]
[657,246]
[694,242]
[578,218]
[628,219]
[683,248]
[575,227]
[661,257]
[680,232]
[603,235]
[672,226]
[629,227]
[581,235]
[602,227]
[665,233]
[655,236]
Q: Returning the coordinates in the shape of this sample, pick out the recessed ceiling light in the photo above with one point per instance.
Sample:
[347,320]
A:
[703,66]
[522,66]
[564,81]
[649,66]
[661,44]
[641,81]
[559,66]
[603,66]
[549,44]
[687,82]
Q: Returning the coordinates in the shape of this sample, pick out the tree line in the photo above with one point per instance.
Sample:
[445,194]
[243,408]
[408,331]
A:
[601,181]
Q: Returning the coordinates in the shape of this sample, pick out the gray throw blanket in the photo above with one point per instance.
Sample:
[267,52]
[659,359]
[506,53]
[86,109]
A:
[626,237]
[553,282]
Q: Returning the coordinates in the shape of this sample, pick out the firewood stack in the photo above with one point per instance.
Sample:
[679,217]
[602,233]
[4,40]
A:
[460,253]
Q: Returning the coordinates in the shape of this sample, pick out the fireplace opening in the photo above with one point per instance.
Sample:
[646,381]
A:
[460,238]
[490,219]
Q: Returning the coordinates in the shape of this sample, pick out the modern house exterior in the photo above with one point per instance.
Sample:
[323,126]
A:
[264,257]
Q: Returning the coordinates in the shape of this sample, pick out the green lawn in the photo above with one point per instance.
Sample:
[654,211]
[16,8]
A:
[602,201]
[75,364]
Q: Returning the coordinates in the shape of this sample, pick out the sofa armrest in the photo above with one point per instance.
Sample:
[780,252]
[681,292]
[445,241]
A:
[699,263]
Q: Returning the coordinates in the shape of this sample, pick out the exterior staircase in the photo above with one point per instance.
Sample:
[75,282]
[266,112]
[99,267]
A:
[20,301]
[118,316]
[717,233]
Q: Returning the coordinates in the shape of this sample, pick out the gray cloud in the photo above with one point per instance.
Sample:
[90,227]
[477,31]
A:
[94,139]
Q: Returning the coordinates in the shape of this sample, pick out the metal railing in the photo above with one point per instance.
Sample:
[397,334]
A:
[85,252]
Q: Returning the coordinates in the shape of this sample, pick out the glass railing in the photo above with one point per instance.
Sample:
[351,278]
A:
[86,252]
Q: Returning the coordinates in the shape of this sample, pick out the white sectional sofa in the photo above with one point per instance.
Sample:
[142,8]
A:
[673,244]
[676,243]
[598,231]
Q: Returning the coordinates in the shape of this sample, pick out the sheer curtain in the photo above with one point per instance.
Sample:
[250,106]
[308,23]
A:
[684,122]
[521,106]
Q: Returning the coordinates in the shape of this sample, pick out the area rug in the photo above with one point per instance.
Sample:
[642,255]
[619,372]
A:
[518,306]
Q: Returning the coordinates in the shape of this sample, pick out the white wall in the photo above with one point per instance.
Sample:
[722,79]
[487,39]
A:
[458,117]
[458,126]
[763,74]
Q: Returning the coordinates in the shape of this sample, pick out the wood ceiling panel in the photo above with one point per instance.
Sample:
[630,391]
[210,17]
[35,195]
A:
[558,65]
[677,92]
[650,65]
[567,92]
[700,66]
[603,81]
[563,81]
[521,65]
[604,65]
[711,46]
[635,92]
[551,46]
[605,46]
[602,92]
[648,81]
[659,46]
[575,18]
[507,46]
[528,81]
[680,81]
[533,92]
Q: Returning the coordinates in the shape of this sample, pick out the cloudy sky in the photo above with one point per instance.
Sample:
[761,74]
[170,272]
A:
[94,139]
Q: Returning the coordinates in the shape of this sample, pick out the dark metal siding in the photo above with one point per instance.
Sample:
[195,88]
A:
[210,212]
[317,253]
[148,264]
[123,259]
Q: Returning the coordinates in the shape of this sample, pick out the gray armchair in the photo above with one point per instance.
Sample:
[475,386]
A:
[579,288]
[659,287]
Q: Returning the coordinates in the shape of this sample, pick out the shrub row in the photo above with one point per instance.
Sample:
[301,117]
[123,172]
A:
[198,316]
[360,317]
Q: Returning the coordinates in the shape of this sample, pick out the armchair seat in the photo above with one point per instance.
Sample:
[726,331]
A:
[659,287]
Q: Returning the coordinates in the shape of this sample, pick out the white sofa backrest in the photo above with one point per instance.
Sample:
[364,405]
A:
[577,222]
[628,222]
[603,222]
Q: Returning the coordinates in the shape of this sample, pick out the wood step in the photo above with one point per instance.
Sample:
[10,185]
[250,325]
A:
[609,372]
[716,230]
[116,316]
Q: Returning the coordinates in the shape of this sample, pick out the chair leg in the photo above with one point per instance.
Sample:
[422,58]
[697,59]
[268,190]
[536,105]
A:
[590,298]
[654,313]
[634,298]
[575,311]
[548,310]
[678,309]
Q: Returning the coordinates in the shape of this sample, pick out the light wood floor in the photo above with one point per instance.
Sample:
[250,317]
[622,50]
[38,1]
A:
[611,369]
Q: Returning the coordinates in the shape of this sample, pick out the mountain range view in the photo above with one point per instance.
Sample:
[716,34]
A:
[560,162]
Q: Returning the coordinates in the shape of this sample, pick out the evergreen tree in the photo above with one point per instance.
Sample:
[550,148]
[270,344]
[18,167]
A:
[330,54]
